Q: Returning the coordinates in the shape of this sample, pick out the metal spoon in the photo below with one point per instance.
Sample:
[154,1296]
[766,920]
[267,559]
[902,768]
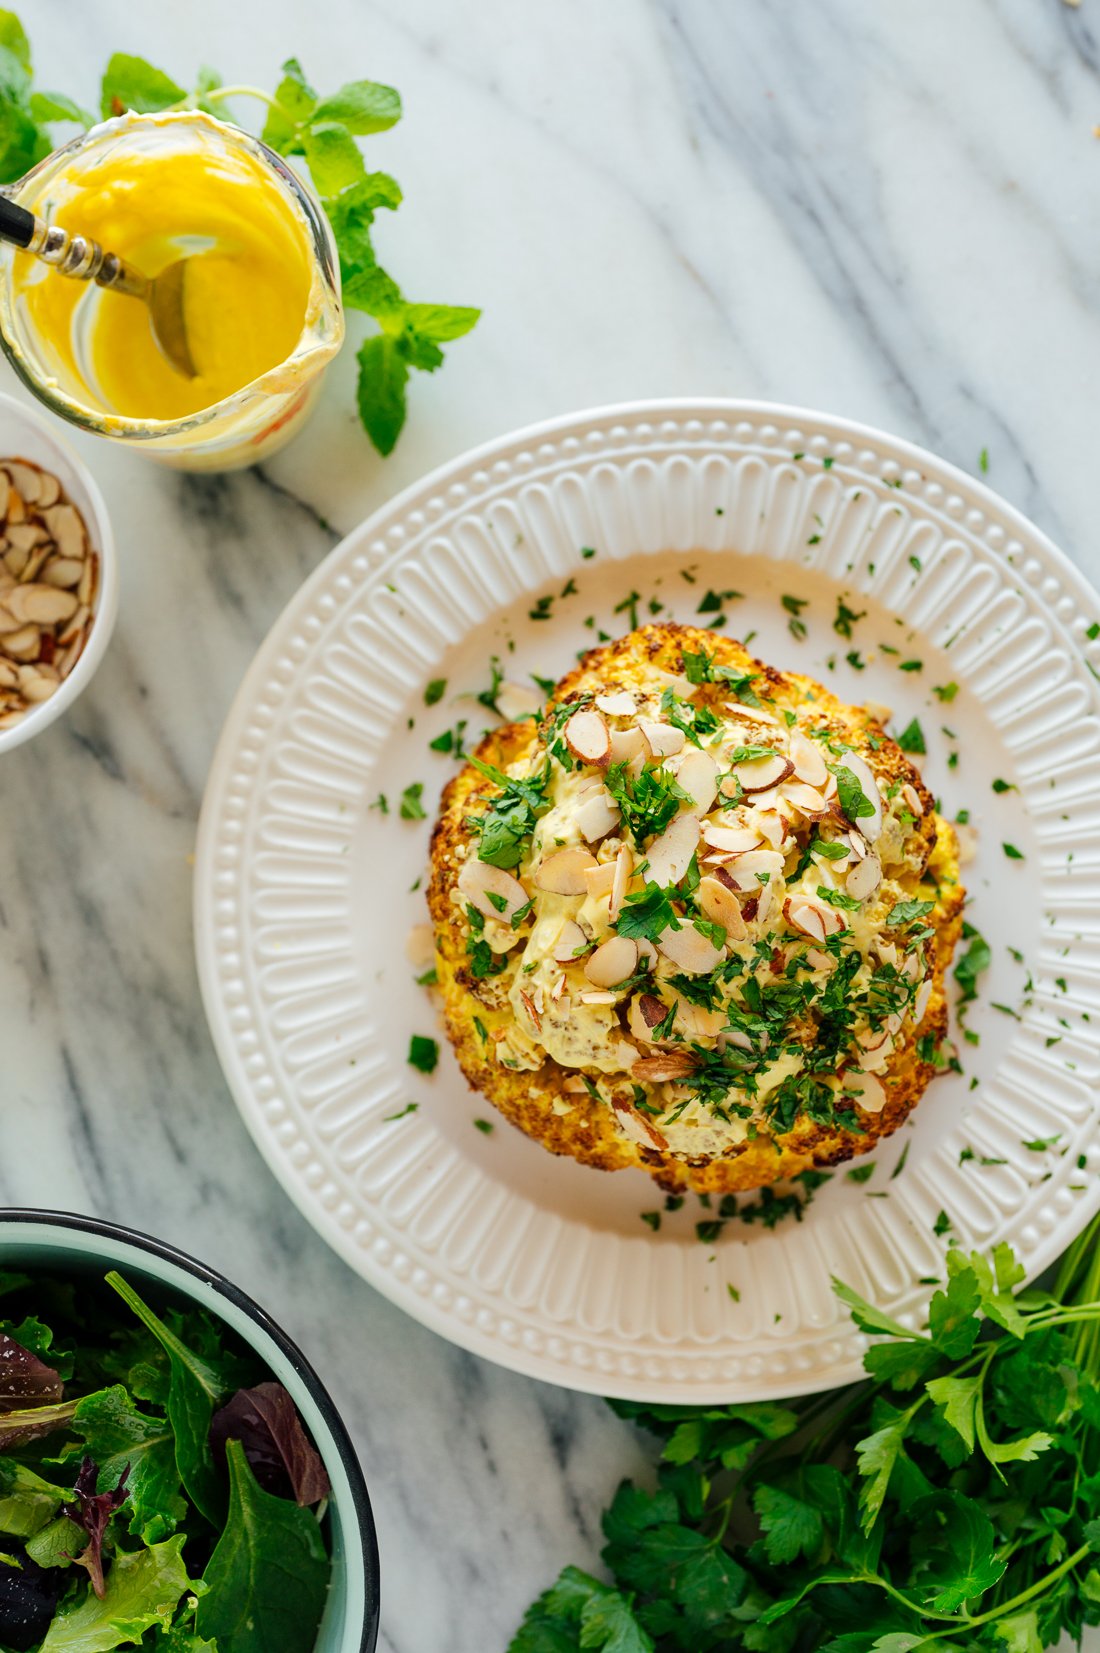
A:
[85,260]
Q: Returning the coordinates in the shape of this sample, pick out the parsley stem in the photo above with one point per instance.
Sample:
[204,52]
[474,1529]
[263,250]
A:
[1033,1590]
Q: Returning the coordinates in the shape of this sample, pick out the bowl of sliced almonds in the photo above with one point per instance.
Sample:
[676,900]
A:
[58,574]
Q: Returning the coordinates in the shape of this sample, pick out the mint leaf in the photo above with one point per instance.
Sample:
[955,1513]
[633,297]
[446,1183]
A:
[269,1574]
[383,375]
[853,800]
[132,83]
[335,163]
[13,38]
[55,106]
[143,1589]
[440,322]
[362,106]
[295,101]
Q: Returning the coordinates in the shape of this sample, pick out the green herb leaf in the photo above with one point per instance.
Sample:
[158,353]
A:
[132,83]
[143,1590]
[362,106]
[116,1434]
[268,1576]
[423,1053]
[911,738]
[383,375]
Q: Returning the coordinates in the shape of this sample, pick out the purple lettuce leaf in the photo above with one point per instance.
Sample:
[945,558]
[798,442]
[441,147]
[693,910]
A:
[283,1459]
[92,1510]
[24,1379]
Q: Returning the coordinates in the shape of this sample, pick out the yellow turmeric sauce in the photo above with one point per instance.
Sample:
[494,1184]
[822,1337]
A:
[247,291]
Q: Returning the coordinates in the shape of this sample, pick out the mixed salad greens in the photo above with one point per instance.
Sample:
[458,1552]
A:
[157,1488]
[324,131]
[950,1503]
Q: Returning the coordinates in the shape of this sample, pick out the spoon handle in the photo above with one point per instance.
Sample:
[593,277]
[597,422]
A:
[77,256]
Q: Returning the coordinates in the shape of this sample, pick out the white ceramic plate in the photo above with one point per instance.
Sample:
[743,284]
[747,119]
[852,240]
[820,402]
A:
[303,895]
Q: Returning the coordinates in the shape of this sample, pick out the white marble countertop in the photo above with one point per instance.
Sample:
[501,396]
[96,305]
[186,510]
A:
[887,212]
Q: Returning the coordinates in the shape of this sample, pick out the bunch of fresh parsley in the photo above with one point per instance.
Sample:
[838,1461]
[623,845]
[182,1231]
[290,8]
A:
[948,1504]
[324,131]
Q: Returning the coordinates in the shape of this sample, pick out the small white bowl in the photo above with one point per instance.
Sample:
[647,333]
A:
[27,434]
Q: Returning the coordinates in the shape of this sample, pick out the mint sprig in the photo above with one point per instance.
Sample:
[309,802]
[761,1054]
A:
[324,131]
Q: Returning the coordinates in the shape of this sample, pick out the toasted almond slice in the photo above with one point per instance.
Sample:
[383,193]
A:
[22,644]
[864,878]
[920,1003]
[627,744]
[16,511]
[9,674]
[657,1070]
[614,961]
[664,739]
[24,478]
[588,737]
[563,873]
[89,580]
[529,1005]
[420,947]
[516,700]
[636,1127]
[669,856]
[597,815]
[27,536]
[880,712]
[575,1085]
[40,605]
[62,571]
[866,1091]
[15,561]
[875,1050]
[559,987]
[694,953]
[647,953]
[571,943]
[869,825]
[620,883]
[597,995]
[698,776]
[860,846]
[479,882]
[746,870]
[911,799]
[805,799]
[732,840]
[618,704]
[751,714]
[968,842]
[645,1013]
[721,906]
[808,759]
[814,918]
[762,774]
[36,686]
[599,879]
[73,627]
[49,489]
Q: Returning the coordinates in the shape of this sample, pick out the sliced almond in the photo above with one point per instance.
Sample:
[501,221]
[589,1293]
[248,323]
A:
[516,701]
[697,775]
[911,799]
[559,987]
[864,878]
[647,953]
[968,842]
[35,685]
[571,944]
[693,953]
[15,561]
[618,704]
[805,799]
[657,1070]
[40,605]
[598,995]
[420,947]
[761,774]
[809,762]
[636,1126]
[24,479]
[751,714]
[627,744]
[563,873]
[22,644]
[597,815]
[880,712]
[813,918]
[89,580]
[669,856]
[479,883]
[575,1085]
[746,870]
[731,840]
[645,1014]
[588,738]
[62,571]
[620,883]
[920,1003]
[532,1012]
[9,674]
[664,739]
[722,907]
[614,961]
[599,879]
[865,1090]
[49,489]
[27,536]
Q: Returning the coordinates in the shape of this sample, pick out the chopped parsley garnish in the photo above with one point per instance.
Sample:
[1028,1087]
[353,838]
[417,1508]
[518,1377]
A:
[435,691]
[381,804]
[912,739]
[510,818]
[646,915]
[423,1053]
[904,913]
[647,802]
[945,692]
[402,1113]
[837,898]
[846,618]
[794,607]
[910,665]
[485,1126]
[488,697]
[629,607]
[588,552]
[853,800]
[1012,852]
[411,807]
[430,978]
[652,1219]
[1003,786]
[712,602]
[542,609]
[861,1173]
[451,740]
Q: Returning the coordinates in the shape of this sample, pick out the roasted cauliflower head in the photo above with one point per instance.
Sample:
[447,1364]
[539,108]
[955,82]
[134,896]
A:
[696,919]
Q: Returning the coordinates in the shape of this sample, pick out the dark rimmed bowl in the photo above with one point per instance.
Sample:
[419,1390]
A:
[59,1240]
